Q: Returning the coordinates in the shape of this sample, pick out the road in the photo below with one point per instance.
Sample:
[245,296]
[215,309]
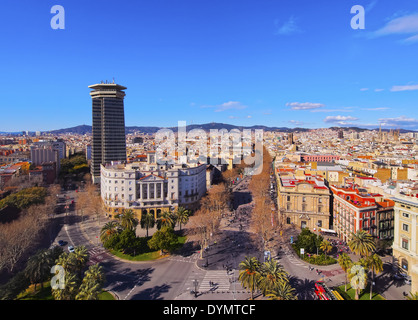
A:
[215,276]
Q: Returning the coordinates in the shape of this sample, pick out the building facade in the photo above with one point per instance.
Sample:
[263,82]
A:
[405,242]
[108,126]
[151,187]
[356,209]
[305,202]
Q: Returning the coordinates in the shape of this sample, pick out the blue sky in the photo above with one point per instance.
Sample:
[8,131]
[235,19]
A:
[292,63]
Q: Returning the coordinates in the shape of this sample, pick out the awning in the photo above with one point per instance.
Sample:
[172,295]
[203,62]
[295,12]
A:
[327,230]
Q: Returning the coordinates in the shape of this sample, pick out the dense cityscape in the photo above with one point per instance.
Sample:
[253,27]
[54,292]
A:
[212,214]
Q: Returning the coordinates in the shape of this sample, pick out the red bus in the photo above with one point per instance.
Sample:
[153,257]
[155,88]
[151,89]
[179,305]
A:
[323,292]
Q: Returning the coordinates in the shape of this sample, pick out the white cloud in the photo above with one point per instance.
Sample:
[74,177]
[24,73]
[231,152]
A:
[304,105]
[289,27]
[379,90]
[375,109]
[332,110]
[341,120]
[230,105]
[364,89]
[296,122]
[404,88]
[411,40]
[399,122]
[371,5]
[407,24]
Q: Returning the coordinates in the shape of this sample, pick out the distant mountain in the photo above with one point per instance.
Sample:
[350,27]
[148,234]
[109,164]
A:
[84,129]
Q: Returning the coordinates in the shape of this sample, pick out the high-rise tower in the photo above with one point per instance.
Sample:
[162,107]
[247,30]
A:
[108,126]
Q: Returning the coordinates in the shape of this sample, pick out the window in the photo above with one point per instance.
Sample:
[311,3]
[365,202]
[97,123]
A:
[288,198]
[405,244]
[405,227]
[404,214]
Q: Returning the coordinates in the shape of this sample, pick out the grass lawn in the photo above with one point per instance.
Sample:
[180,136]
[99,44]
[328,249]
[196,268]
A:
[364,295]
[39,294]
[106,296]
[139,257]
[147,256]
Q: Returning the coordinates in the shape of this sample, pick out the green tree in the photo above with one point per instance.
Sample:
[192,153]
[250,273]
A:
[362,243]
[92,283]
[284,291]
[271,275]
[82,257]
[126,240]
[163,240]
[147,221]
[249,274]
[166,219]
[358,277]
[68,261]
[412,296]
[128,220]
[38,267]
[182,216]
[70,288]
[375,265]
[345,263]
[108,230]
[325,246]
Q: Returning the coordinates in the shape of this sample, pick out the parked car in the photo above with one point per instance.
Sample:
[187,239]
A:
[71,248]
[61,242]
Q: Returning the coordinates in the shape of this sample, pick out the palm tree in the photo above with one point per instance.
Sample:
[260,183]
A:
[70,289]
[358,278]
[182,216]
[68,261]
[345,263]
[96,273]
[82,256]
[249,274]
[412,296]
[284,291]
[89,290]
[38,267]
[92,283]
[147,221]
[128,220]
[375,265]
[109,229]
[165,219]
[271,275]
[325,246]
[362,243]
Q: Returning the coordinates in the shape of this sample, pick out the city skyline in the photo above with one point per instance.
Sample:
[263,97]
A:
[293,64]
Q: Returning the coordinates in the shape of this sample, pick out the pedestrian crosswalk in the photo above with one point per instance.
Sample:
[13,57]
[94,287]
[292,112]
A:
[191,259]
[97,254]
[216,280]
[293,259]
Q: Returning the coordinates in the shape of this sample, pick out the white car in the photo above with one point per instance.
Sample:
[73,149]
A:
[71,248]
